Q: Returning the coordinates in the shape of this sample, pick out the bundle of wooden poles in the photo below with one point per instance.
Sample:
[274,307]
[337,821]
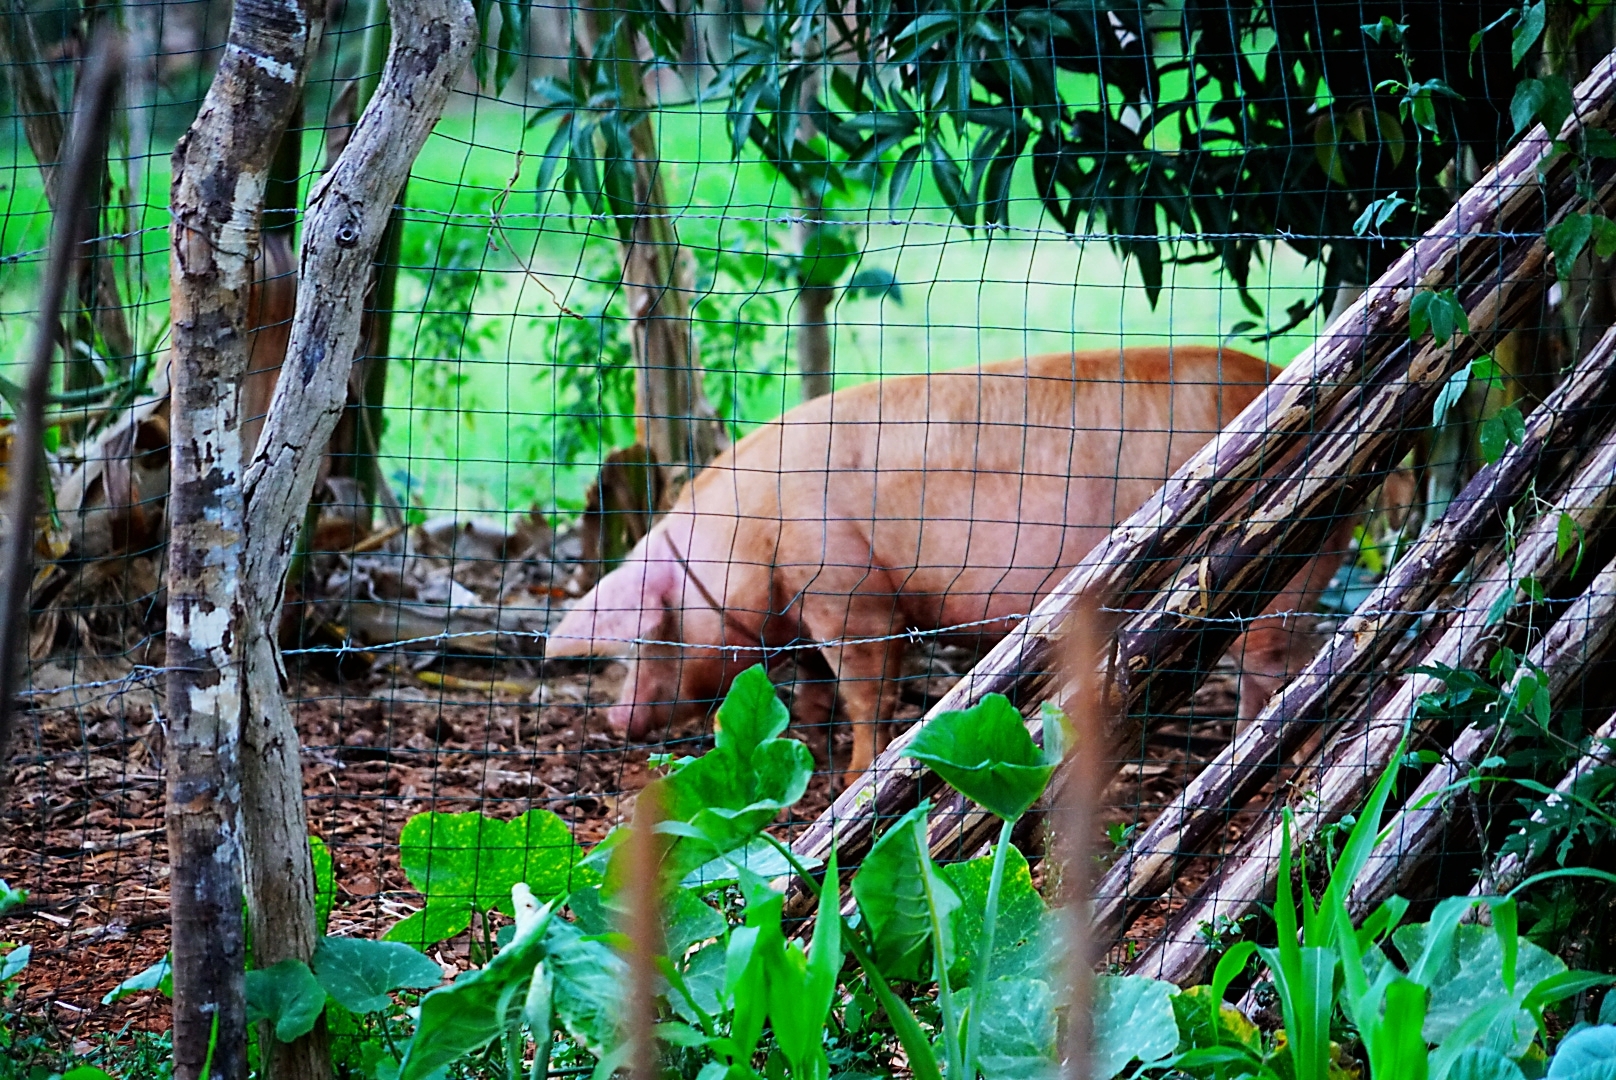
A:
[1219,540]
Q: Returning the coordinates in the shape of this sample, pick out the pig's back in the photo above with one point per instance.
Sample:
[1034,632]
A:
[972,491]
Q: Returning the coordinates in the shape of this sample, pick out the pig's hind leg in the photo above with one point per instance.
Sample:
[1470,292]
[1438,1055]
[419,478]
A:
[812,686]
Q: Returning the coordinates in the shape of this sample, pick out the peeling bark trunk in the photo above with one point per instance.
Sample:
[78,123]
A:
[235,772]
[221,169]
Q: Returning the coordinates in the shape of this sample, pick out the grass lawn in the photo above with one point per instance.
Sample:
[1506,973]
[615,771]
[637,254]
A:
[484,404]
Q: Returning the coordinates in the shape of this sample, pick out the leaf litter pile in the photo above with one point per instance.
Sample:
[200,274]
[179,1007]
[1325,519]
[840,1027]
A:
[471,718]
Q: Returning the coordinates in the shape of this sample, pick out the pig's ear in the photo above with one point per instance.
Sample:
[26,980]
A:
[629,604]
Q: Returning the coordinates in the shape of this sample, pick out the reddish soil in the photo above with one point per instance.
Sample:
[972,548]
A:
[84,830]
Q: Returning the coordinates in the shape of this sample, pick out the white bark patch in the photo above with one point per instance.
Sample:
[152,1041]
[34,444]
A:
[237,236]
[277,69]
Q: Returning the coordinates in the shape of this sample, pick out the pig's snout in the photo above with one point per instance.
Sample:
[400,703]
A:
[634,720]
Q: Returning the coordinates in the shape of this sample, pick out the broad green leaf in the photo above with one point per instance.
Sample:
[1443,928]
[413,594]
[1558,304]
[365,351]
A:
[1026,935]
[1589,1054]
[899,892]
[13,962]
[1018,1031]
[986,754]
[1527,31]
[1396,1046]
[758,856]
[87,1072]
[1133,1021]
[360,974]
[1483,1063]
[160,977]
[325,883]
[465,862]
[588,980]
[288,996]
[703,975]
[478,1006]
[1192,1009]
[438,921]
[1566,239]
[687,919]
[1449,395]
[1547,99]
[722,800]
[1467,974]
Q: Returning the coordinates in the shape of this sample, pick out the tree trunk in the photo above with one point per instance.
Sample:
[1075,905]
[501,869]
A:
[813,300]
[349,209]
[220,170]
[672,415]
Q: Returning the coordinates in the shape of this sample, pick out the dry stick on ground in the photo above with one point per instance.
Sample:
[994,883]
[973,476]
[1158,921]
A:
[221,167]
[1362,641]
[1484,246]
[347,216]
[1578,637]
[26,467]
[1353,758]
[1509,870]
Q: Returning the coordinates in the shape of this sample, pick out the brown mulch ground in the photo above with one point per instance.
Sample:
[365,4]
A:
[84,829]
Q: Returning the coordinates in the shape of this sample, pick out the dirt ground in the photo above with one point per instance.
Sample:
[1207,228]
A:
[84,824]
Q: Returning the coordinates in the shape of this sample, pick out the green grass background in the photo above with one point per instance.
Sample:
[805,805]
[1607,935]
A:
[473,422]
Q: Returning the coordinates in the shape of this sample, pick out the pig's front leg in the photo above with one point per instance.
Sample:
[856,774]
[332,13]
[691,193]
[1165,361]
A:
[866,670]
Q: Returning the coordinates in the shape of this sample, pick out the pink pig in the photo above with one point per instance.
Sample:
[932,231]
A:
[956,499]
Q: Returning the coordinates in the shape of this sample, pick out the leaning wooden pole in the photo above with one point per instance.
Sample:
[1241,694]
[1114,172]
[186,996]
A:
[1580,636]
[1354,757]
[221,169]
[1488,249]
[1362,641]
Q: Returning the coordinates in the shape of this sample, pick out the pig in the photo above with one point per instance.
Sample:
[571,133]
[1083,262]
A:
[949,500]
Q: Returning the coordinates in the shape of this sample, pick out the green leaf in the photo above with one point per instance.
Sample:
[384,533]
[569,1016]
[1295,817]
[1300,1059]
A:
[466,862]
[13,962]
[945,173]
[11,898]
[588,980]
[1547,99]
[87,1072]
[160,976]
[1133,1021]
[1465,974]
[901,172]
[288,996]
[1018,1031]
[481,1004]
[1500,430]
[1026,935]
[986,754]
[1439,312]
[1527,31]
[360,974]
[897,889]
[1589,1054]
[1449,395]
[1483,1063]
[325,882]
[723,800]
[1566,239]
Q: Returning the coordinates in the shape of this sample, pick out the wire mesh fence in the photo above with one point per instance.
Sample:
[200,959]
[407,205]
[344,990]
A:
[594,384]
